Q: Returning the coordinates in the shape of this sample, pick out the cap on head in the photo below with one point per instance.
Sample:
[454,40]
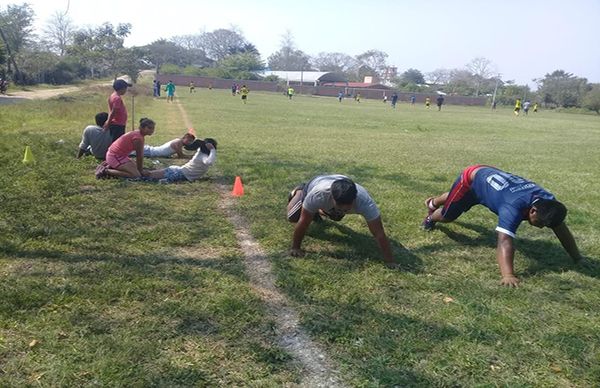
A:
[120,84]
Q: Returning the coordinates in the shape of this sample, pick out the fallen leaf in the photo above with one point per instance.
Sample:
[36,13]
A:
[448,299]
[33,343]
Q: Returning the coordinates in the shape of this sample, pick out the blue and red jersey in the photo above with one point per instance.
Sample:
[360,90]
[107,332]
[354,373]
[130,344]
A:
[507,195]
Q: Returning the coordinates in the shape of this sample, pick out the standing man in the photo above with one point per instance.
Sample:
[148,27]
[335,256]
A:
[526,105]
[117,112]
[244,92]
[394,100]
[513,199]
[192,87]
[517,106]
[440,102]
[334,196]
[427,102]
[290,92]
[170,89]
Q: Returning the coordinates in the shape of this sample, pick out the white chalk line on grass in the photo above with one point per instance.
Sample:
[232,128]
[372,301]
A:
[318,369]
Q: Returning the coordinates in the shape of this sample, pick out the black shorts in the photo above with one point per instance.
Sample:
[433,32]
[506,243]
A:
[116,131]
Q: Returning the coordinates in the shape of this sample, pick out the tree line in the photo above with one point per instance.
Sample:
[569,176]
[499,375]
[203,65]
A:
[64,53]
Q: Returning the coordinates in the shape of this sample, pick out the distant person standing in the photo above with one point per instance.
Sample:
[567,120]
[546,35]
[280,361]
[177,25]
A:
[526,105]
[517,106]
[192,87]
[233,89]
[494,105]
[244,92]
[394,100]
[535,106]
[340,96]
[413,99]
[440,102]
[158,86]
[357,97]
[427,102]
[170,89]
[155,88]
[117,112]
[384,98]
[290,92]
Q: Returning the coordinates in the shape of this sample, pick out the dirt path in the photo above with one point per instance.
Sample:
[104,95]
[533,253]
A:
[318,369]
[41,94]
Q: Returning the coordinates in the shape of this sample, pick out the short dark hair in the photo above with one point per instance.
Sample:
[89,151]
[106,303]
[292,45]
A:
[343,191]
[203,147]
[101,118]
[550,212]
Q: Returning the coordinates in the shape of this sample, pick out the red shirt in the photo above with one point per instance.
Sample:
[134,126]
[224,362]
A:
[123,146]
[118,109]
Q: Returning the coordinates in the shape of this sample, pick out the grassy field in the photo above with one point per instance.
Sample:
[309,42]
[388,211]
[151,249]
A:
[137,284]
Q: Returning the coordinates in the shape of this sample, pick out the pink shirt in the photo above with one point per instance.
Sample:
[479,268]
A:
[123,146]
[118,109]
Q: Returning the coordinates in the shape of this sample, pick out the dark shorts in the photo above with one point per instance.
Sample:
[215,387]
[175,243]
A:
[244,97]
[461,198]
[116,131]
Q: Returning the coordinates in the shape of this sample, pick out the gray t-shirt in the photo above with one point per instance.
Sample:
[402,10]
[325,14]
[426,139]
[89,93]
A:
[97,140]
[318,196]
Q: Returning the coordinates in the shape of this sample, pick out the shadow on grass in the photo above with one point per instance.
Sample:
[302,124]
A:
[545,255]
[361,246]
[390,345]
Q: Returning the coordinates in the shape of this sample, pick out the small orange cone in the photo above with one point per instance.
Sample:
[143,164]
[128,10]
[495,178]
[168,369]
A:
[28,158]
[238,188]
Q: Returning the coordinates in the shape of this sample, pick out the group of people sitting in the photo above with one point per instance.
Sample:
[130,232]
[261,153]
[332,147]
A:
[115,156]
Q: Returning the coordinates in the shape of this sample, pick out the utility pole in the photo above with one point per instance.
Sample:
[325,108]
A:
[495,90]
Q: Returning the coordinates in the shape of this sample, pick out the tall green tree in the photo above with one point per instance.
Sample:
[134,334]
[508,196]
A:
[371,62]
[221,43]
[481,69]
[412,76]
[564,89]
[591,100]
[16,32]
[334,62]
[101,48]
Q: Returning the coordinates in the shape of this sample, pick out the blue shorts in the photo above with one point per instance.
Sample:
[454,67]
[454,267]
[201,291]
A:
[174,174]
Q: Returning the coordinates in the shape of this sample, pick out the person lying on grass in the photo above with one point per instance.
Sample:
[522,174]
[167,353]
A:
[203,159]
[117,162]
[333,196]
[513,199]
[170,148]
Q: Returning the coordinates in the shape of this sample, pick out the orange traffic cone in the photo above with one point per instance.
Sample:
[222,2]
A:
[28,158]
[238,188]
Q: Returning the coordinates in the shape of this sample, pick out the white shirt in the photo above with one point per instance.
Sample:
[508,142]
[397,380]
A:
[199,164]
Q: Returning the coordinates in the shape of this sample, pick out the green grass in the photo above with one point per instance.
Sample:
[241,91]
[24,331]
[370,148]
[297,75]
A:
[126,283]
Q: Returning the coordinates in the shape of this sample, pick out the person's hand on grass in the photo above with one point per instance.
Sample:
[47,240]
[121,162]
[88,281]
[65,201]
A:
[296,252]
[510,281]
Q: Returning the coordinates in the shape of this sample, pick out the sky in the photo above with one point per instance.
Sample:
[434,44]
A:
[523,39]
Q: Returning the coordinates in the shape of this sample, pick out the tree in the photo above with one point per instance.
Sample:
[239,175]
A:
[242,66]
[161,51]
[100,48]
[461,82]
[59,33]
[288,57]
[439,77]
[16,31]
[481,69]
[222,43]
[562,89]
[591,100]
[412,76]
[334,62]
[371,62]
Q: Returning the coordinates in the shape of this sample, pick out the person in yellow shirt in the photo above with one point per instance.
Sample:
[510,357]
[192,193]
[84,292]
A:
[517,106]
[244,92]
[427,102]
[535,107]
[192,87]
[290,92]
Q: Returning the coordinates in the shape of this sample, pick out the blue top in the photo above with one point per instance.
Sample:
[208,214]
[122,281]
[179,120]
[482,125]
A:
[507,195]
